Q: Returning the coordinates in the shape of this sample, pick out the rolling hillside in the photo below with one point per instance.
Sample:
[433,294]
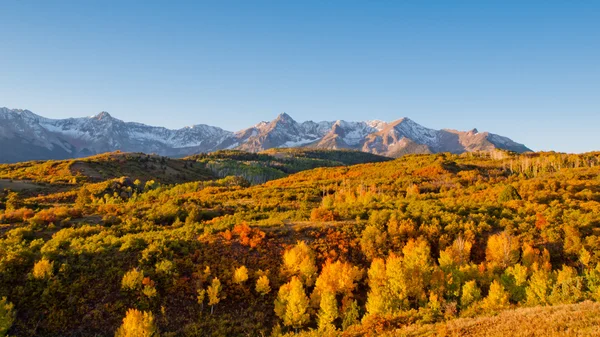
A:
[107,166]
[468,244]
[272,164]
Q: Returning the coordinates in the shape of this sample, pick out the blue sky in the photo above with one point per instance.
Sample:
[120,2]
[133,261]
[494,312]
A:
[529,70]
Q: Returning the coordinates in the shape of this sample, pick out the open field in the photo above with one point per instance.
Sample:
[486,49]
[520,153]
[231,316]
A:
[572,320]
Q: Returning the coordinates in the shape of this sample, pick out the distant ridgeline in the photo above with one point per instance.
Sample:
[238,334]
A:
[27,136]
[256,168]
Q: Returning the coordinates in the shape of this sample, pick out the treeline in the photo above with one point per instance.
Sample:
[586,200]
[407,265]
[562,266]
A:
[272,164]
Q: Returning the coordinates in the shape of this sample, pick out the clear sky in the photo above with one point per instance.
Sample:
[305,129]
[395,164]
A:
[529,70]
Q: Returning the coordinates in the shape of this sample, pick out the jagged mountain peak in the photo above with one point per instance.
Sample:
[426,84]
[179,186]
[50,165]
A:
[403,120]
[284,117]
[102,116]
[283,121]
[18,112]
[376,124]
[26,136]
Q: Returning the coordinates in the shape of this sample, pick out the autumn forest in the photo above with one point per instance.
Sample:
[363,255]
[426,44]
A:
[301,243]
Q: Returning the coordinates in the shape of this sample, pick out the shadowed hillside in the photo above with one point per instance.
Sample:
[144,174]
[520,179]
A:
[272,164]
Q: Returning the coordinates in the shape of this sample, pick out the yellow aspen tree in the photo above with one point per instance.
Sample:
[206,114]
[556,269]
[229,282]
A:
[240,275]
[296,312]
[568,288]
[213,291]
[43,269]
[291,304]
[200,298]
[497,298]
[300,261]
[132,280]
[514,279]
[417,268]
[206,274]
[585,257]
[328,311]
[529,255]
[471,294]
[378,297]
[592,278]
[413,190]
[460,251]
[396,287]
[137,324]
[281,300]
[262,285]
[502,250]
[538,290]
[373,242]
[338,277]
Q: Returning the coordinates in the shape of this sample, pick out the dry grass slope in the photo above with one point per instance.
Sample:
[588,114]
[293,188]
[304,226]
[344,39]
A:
[581,319]
[106,166]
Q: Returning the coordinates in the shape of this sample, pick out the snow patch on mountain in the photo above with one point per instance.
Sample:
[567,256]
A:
[103,132]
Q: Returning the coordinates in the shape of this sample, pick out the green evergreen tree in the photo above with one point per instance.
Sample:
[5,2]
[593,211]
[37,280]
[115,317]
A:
[509,193]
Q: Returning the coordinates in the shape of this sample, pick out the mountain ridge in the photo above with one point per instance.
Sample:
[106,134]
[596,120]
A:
[25,135]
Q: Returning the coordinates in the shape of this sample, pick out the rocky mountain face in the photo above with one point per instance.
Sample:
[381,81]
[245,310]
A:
[27,136]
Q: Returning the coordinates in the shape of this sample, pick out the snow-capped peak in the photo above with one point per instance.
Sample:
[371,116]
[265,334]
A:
[102,133]
[376,124]
[284,117]
[102,115]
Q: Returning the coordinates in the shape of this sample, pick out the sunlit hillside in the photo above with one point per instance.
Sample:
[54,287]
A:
[423,245]
[106,166]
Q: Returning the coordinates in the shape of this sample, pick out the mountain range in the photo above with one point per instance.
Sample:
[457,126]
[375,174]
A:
[28,136]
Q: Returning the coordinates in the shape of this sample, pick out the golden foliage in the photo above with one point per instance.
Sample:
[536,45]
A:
[300,261]
[43,269]
[240,275]
[291,304]
[502,250]
[133,279]
[262,285]
[214,291]
[497,298]
[328,311]
[138,324]
[338,277]
[470,294]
